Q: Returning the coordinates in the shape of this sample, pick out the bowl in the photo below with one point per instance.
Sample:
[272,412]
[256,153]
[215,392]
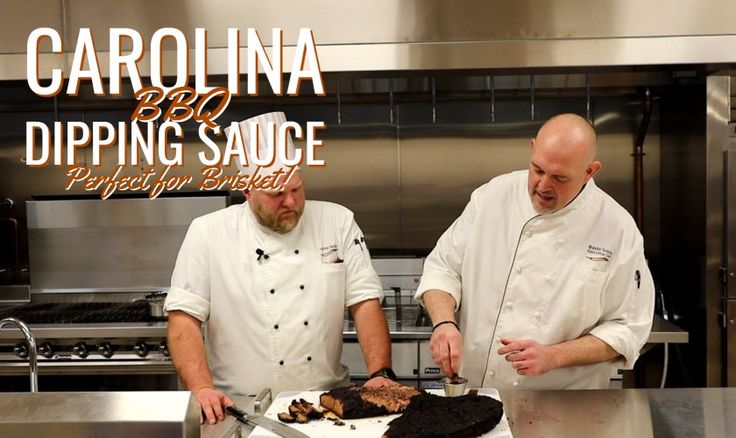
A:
[454,387]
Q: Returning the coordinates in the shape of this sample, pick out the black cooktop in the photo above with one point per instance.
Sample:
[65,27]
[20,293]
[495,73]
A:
[80,313]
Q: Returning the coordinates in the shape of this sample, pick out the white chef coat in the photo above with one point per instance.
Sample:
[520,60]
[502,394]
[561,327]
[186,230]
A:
[274,322]
[555,277]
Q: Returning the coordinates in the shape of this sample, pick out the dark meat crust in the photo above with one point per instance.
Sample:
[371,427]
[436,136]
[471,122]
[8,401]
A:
[430,416]
[361,402]
[347,403]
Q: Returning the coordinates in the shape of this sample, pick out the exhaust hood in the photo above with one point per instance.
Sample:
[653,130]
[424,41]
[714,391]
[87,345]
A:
[386,35]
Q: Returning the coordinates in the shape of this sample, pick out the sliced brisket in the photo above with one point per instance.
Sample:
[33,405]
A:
[361,402]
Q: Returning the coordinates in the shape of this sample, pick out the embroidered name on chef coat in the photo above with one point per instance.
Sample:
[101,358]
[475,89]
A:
[598,253]
[330,254]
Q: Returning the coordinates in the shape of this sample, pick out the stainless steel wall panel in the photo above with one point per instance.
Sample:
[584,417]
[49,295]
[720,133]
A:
[717,133]
[20,18]
[730,238]
[362,174]
[88,213]
[441,165]
[406,181]
[439,172]
[125,259]
[115,245]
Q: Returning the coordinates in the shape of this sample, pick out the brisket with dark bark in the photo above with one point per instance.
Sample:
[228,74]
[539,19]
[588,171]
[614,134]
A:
[430,416]
[361,402]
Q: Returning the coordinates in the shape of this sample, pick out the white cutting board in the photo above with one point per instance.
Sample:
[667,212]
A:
[364,427]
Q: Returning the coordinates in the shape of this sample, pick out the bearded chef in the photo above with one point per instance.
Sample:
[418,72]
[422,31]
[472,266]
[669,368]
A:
[270,280]
[547,272]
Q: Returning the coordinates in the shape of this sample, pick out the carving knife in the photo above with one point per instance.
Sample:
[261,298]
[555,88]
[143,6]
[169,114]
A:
[270,425]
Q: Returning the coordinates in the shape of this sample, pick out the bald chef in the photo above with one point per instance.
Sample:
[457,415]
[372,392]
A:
[271,279]
[547,271]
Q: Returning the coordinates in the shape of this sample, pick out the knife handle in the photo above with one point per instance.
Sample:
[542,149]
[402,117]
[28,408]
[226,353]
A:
[237,413]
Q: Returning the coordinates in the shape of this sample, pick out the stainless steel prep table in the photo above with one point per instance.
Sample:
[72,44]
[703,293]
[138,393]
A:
[641,413]
[142,414]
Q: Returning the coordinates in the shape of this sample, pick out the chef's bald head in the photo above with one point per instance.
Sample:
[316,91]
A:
[570,132]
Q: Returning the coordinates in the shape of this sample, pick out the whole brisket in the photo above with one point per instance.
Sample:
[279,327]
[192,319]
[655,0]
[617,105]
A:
[429,416]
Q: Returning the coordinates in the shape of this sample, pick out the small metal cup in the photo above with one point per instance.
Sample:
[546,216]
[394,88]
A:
[454,388]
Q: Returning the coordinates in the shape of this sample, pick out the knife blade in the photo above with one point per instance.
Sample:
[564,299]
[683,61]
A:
[279,429]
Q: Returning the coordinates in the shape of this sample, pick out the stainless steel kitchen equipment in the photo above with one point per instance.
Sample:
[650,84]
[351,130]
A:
[427,101]
[410,36]
[728,270]
[408,326]
[698,225]
[101,269]
[109,414]
[112,245]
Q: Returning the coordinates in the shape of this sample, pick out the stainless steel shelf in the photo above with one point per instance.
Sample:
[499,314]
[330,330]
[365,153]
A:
[87,331]
[57,368]
[664,331]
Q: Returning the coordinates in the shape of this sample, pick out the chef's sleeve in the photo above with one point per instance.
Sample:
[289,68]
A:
[361,280]
[443,266]
[190,282]
[628,305]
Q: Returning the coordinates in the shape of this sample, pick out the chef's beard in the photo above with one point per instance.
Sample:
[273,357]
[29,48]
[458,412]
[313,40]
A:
[275,222]
[538,207]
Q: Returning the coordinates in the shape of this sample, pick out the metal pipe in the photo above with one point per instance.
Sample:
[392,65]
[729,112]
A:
[391,101]
[638,155]
[434,100]
[339,104]
[531,96]
[587,98]
[492,86]
[397,303]
[32,359]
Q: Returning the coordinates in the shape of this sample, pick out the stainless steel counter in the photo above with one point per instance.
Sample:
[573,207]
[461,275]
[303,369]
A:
[640,413]
[230,427]
[109,414]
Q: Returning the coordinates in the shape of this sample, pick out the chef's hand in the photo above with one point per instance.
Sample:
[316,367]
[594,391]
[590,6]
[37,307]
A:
[379,381]
[527,356]
[211,401]
[446,345]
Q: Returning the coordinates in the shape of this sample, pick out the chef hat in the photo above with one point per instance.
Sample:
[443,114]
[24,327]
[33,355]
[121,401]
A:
[276,119]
